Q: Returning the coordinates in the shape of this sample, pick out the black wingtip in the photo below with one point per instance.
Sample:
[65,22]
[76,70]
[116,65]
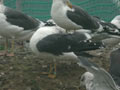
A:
[111,29]
[88,45]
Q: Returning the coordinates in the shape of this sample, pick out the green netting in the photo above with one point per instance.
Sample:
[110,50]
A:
[105,9]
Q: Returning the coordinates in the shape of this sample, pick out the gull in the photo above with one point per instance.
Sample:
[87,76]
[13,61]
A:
[53,41]
[16,25]
[98,78]
[71,17]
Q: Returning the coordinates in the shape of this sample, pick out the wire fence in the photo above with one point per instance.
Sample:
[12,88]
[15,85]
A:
[105,9]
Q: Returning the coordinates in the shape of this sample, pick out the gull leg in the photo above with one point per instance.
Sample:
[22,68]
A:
[6,45]
[5,51]
[53,70]
[12,48]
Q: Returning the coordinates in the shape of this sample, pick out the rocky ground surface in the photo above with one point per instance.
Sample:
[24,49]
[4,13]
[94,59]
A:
[26,71]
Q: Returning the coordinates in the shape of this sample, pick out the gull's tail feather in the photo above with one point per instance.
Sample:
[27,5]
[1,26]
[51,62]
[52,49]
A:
[85,63]
[87,45]
[111,29]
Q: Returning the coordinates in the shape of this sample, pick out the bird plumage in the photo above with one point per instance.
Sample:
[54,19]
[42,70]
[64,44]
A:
[102,79]
[15,24]
[54,40]
[81,17]
[72,17]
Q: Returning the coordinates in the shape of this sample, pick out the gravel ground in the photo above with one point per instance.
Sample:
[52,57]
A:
[25,70]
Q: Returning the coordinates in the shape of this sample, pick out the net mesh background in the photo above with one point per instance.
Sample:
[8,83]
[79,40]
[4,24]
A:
[105,9]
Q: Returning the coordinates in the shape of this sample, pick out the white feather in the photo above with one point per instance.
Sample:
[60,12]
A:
[116,21]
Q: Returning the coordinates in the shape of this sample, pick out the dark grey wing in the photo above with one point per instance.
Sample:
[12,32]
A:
[115,65]
[59,43]
[55,44]
[82,18]
[101,77]
[20,19]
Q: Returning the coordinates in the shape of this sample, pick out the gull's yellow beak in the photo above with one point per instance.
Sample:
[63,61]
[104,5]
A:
[69,4]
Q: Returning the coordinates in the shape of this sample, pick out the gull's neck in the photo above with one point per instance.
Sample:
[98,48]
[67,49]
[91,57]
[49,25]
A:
[57,4]
[54,1]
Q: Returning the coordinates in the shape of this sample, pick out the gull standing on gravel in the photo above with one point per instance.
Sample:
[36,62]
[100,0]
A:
[52,40]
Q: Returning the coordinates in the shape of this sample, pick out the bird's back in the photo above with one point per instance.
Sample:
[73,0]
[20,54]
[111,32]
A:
[81,17]
[20,19]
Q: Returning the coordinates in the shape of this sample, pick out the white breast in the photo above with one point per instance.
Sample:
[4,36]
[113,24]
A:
[58,13]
